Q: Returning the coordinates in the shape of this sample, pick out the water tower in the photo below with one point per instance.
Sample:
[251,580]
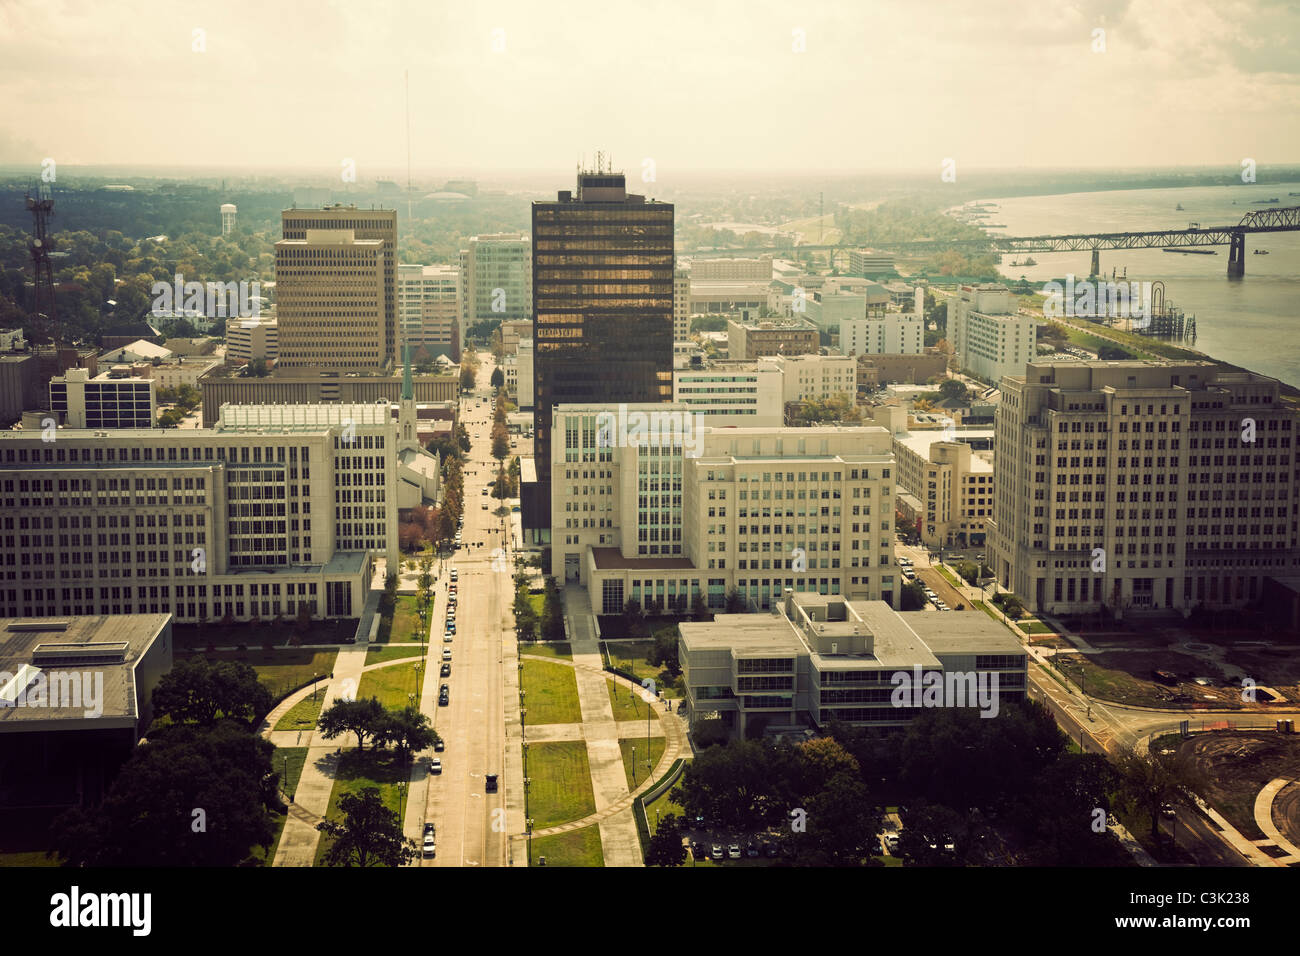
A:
[228,211]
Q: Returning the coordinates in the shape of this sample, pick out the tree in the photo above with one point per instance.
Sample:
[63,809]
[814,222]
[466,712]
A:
[525,615]
[498,378]
[664,652]
[666,847]
[1149,782]
[369,834]
[735,602]
[633,617]
[699,607]
[198,691]
[928,831]
[360,717]
[256,368]
[466,378]
[912,597]
[552,612]
[841,824]
[954,390]
[408,729]
[388,600]
[500,442]
[189,796]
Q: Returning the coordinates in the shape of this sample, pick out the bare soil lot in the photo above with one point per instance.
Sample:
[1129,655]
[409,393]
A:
[1237,765]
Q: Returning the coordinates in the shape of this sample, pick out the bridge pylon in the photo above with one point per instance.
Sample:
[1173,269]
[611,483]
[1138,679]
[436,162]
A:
[1236,255]
[1096,263]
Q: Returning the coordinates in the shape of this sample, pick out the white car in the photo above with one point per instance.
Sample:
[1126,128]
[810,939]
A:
[446,653]
[435,765]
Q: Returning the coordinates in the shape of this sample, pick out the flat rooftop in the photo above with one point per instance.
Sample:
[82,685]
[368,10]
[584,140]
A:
[611,559]
[107,645]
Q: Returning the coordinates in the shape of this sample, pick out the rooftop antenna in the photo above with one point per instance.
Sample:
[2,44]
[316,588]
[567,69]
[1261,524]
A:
[42,207]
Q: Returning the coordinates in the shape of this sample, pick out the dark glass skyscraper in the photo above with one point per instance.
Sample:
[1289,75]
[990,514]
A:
[602,306]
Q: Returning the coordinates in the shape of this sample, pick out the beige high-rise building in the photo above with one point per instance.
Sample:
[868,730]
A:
[681,305]
[1141,485]
[428,308]
[496,279]
[336,288]
[988,334]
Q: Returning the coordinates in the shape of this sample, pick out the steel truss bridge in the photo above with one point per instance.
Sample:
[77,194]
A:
[1286,219]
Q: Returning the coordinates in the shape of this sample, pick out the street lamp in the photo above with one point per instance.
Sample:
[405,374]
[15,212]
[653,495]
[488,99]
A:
[401,802]
[634,766]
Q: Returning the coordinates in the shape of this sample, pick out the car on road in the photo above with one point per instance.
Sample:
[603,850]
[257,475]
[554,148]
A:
[446,670]
[439,745]
[454,574]
[733,851]
[490,783]
[430,846]
[430,829]
[446,653]
[891,843]
[716,852]
[446,638]
[435,765]
[443,695]
[485,506]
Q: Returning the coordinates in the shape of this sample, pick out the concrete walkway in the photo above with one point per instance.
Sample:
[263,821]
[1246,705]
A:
[1264,820]
[299,840]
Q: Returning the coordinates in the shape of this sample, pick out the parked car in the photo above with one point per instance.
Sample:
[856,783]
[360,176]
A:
[751,850]
[891,843]
[435,765]
[430,847]
[429,829]
[716,852]
[446,653]
[490,783]
[446,670]
[446,638]
[439,745]
[698,850]
[443,693]
[733,851]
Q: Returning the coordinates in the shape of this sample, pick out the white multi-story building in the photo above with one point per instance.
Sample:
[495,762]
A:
[228,213]
[251,339]
[883,332]
[743,270]
[988,335]
[1141,485]
[815,378]
[429,308]
[524,359]
[732,393]
[664,515]
[496,279]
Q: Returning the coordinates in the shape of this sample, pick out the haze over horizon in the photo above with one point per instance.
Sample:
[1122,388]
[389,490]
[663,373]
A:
[895,87]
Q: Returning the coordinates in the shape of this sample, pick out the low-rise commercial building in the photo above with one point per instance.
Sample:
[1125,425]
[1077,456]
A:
[732,393]
[112,399]
[826,658]
[753,338]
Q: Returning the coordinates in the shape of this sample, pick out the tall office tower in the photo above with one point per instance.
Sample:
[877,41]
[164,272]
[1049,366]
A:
[429,308]
[496,280]
[602,302]
[228,211]
[1142,486]
[336,288]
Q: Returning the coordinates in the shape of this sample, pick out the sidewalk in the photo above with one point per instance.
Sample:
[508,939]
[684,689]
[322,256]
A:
[300,838]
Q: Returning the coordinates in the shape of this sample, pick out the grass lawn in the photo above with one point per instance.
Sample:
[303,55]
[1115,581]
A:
[550,693]
[664,805]
[1035,627]
[628,705]
[630,656]
[391,685]
[560,783]
[358,770]
[297,756]
[575,848]
[403,625]
[388,652]
[949,577]
[282,671]
[656,751]
[304,714]
[557,649]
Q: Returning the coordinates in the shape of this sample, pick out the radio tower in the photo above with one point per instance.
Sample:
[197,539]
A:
[42,207]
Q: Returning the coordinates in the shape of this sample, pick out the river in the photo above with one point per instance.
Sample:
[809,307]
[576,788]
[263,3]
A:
[1253,322]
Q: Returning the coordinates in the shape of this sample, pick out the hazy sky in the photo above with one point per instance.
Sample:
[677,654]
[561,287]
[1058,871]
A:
[701,84]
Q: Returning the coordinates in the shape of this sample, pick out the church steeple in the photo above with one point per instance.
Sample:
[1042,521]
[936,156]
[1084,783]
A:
[406,415]
[408,386]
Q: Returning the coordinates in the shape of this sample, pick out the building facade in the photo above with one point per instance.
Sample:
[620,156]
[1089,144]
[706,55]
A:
[496,280]
[429,308]
[603,264]
[749,339]
[988,335]
[105,401]
[336,288]
[681,509]
[732,393]
[248,340]
[1142,486]
[275,508]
